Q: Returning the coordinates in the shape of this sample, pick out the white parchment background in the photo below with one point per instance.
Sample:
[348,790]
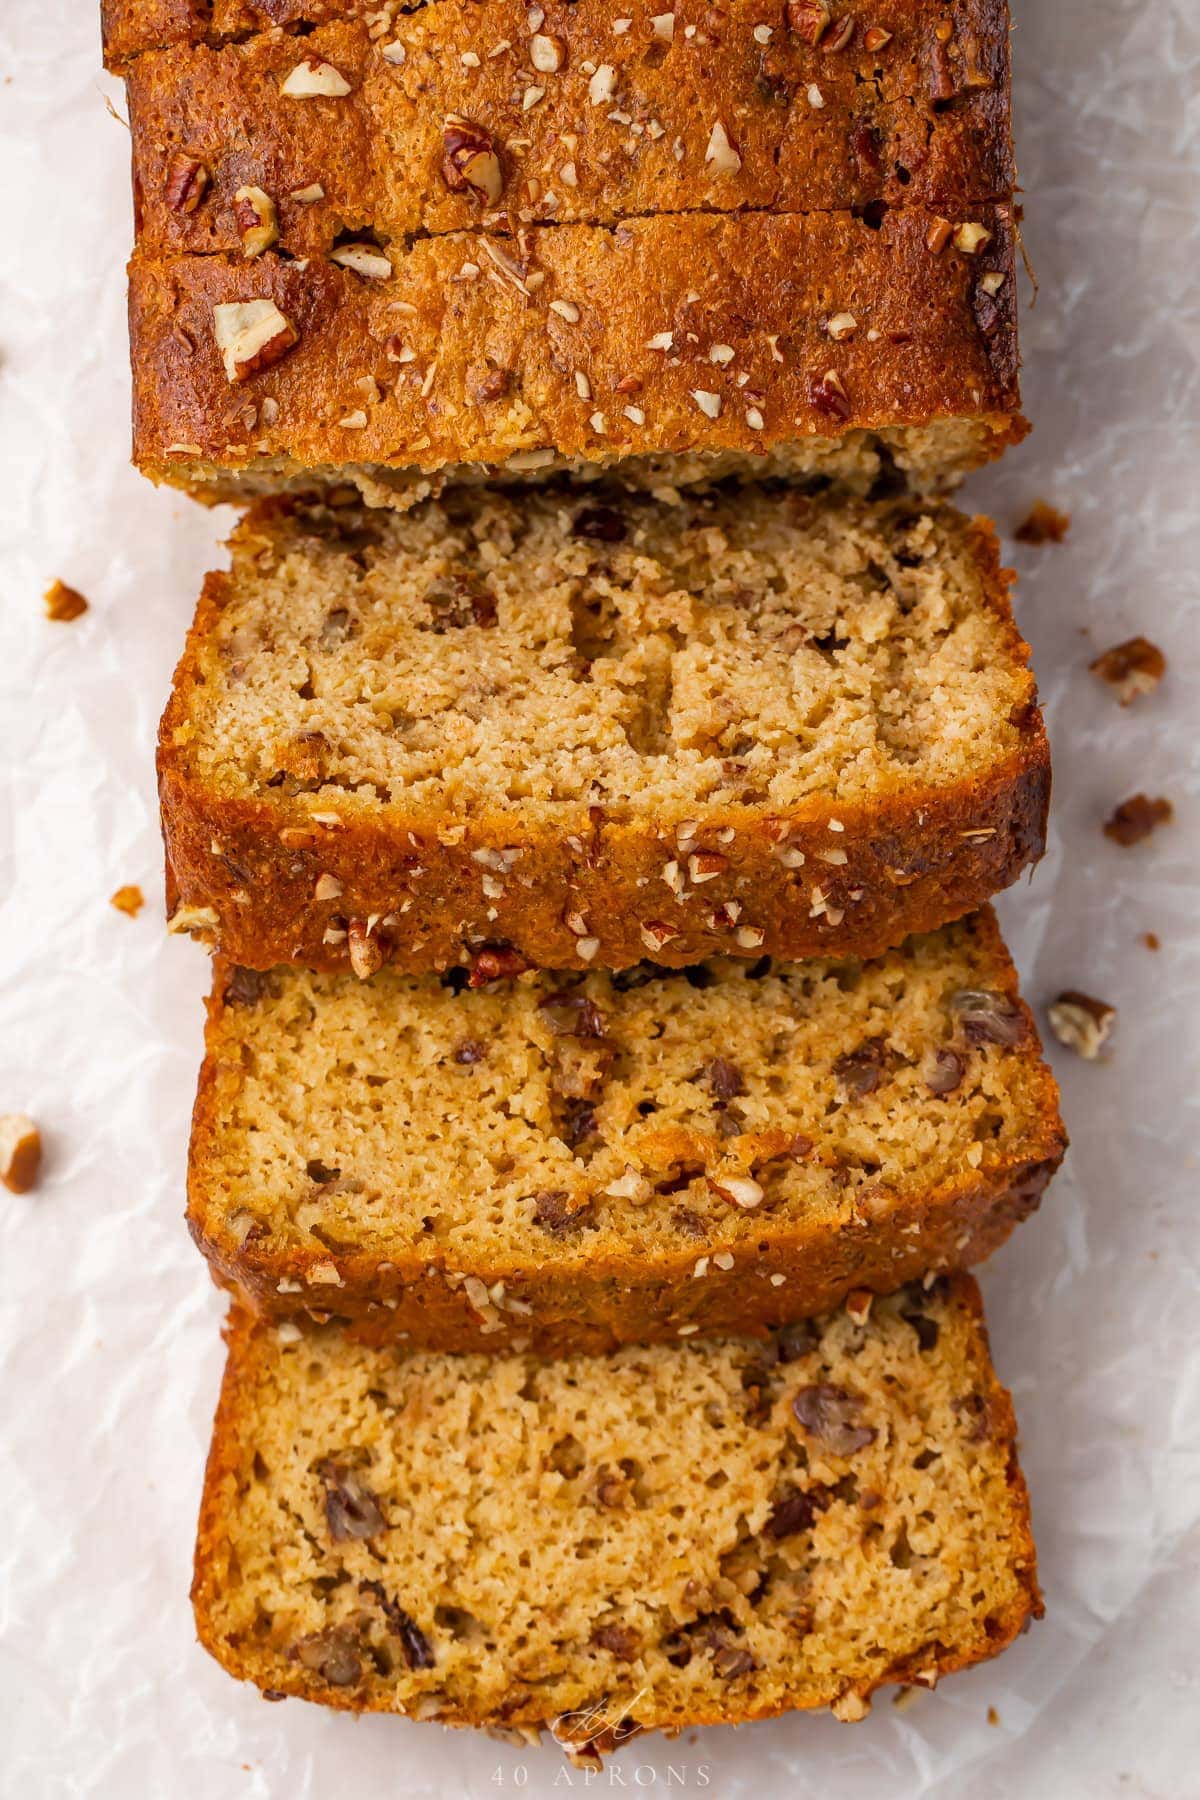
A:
[109,1354]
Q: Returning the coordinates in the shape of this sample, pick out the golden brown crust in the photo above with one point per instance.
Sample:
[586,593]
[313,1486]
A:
[568,1305]
[879,134]
[231,1452]
[914,860]
[393,374]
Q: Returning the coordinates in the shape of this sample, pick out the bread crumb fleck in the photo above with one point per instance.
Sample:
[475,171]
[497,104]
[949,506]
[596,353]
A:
[64,603]
[1134,819]
[129,900]
[20,1152]
[1043,524]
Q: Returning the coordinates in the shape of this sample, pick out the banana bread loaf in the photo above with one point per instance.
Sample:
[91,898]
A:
[573,1163]
[685,346]
[356,132]
[541,731]
[723,1530]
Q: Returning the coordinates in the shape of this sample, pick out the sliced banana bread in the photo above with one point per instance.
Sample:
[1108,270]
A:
[575,1162]
[447,117]
[671,1536]
[543,731]
[685,346]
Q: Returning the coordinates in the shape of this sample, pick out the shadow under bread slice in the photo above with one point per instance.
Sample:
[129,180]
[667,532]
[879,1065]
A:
[674,1535]
[555,731]
[575,1161]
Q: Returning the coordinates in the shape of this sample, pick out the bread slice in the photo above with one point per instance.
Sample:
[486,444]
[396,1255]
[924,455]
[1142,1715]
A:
[545,731]
[675,1535]
[371,162]
[684,347]
[578,1162]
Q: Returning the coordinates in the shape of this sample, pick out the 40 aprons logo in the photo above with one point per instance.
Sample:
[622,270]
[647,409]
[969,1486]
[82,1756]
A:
[591,1734]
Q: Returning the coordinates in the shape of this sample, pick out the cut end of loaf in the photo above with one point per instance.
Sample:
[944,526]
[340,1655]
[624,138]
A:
[575,1162]
[725,1530]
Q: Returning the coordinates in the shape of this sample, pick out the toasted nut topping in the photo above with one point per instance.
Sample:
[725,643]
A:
[876,37]
[841,326]
[186,184]
[808,19]
[708,402]
[20,1152]
[547,54]
[938,236]
[742,1190]
[364,259]
[366,952]
[1081,1023]
[603,85]
[471,162]
[720,152]
[971,238]
[1132,669]
[313,79]
[850,1707]
[839,36]
[257,220]
[64,603]
[829,395]
[129,900]
[251,336]
[663,26]
[193,918]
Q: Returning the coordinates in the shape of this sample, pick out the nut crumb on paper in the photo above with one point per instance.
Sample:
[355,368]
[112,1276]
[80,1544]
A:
[1134,819]
[20,1152]
[1131,669]
[1043,524]
[129,900]
[1082,1023]
[64,603]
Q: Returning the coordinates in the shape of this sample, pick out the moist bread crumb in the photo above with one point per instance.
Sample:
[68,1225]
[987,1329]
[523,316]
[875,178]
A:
[726,1530]
[572,729]
[572,1162]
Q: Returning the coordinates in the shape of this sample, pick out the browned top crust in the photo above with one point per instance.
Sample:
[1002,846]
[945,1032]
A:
[581,340]
[971,30]
[580,122]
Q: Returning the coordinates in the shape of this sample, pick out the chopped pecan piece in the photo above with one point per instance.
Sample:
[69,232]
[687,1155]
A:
[987,1017]
[351,1509]
[830,1415]
[471,161]
[496,962]
[1133,668]
[560,1213]
[1136,818]
[187,182]
[20,1152]
[335,1655]
[418,1651]
[63,603]
[1043,524]
[1082,1023]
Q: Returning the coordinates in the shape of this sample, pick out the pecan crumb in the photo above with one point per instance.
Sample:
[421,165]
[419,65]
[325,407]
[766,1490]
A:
[129,900]
[64,603]
[20,1152]
[1043,524]
[1132,669]
[1136,818]
[1082,1023]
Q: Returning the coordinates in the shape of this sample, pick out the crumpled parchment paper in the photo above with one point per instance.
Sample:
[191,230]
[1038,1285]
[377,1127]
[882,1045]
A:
[109,1349]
